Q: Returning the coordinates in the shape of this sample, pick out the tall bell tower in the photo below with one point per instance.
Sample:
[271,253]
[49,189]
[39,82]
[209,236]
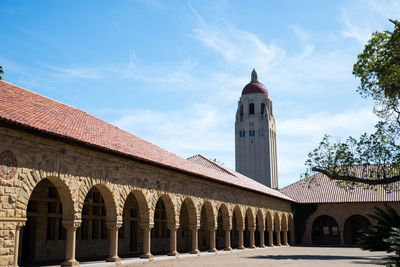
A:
[255,135]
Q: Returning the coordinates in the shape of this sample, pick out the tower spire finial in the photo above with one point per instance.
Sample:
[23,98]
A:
[254,76]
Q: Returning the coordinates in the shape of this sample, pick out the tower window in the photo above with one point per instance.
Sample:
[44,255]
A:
[251,109]
[241,112]
[262,108]
[252,132]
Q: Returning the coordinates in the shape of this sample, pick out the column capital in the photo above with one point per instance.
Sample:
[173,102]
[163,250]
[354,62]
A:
[212,228]
[194,227]
[113,225]
[261,228]
[239,228]
[173,226]
[252,228]
[19,225]
[75,224]
[146,225]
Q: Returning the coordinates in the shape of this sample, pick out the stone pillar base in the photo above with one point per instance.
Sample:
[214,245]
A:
[213,250]
[263,246]
[70,263]
[241,247]
[196,251]
[252,246]
[228,249]
[115,259]
[173,253]
[147,256]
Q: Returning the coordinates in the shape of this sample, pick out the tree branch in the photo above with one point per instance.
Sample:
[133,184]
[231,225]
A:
[349,178]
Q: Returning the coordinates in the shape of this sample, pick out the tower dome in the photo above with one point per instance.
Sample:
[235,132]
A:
[254,87]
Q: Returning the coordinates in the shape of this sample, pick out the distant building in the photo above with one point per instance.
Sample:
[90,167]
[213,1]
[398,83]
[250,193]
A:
[255,135]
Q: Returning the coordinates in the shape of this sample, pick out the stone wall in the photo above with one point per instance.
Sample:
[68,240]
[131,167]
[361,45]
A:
[341,212]
[75,170]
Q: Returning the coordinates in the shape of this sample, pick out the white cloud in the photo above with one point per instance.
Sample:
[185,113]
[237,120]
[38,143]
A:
[298,136]
[354,30]
[201,128]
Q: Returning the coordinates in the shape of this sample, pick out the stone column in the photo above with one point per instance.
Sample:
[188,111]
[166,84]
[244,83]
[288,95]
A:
[228,239]
[285,239]
[71,227]
[113,247]
[251,230]
[262,240]
[212,230]
[240,241]
[172,240]
[270,238]
[146,241]
[18,228]
[195,242]
[278,237]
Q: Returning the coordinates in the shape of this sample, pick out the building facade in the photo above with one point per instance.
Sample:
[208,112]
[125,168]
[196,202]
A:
[73,187]
[255,135]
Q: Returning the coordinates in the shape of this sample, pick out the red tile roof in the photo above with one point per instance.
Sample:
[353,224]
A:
[19,106]
[325,190]
[254,88]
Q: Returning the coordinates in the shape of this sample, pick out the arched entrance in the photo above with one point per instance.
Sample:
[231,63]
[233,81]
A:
[160,233]
[325,231]
[352,227]
[220,234]
[43,237]
[204,232]
[234,231]
[130,235]
[92,237]
[184,235]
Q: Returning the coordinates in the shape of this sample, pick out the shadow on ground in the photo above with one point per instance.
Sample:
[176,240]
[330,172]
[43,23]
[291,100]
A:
[354,259]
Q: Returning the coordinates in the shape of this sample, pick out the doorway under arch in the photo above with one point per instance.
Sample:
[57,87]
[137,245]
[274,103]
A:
[325,231]
[352,227]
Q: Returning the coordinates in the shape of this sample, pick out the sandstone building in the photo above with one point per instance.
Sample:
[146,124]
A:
[73,187]
[255,135]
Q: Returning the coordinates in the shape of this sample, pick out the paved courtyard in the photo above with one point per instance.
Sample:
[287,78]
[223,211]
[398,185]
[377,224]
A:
[284,256]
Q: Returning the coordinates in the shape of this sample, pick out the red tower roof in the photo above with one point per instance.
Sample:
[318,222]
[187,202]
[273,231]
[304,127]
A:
[254,87]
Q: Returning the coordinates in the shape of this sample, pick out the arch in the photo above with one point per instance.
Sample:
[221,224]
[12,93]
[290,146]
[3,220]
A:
[69,206]
[192,211]
[211,219]
[142,203]
[170,208]
[207,221]
[43,237]
[130,234]
[260,219]
[325,231]
[238,218]
[269,221]
[277,222]
[109,200]
[352,227]
[249,223]
[225,215]
[187,219]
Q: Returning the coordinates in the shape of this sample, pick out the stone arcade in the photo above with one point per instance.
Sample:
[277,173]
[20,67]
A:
[73,187]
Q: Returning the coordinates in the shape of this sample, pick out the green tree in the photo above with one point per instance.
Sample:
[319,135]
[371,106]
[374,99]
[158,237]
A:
[385,235]
[1,72]
[374,158]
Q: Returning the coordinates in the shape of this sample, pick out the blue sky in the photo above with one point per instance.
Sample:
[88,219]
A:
[171,72]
